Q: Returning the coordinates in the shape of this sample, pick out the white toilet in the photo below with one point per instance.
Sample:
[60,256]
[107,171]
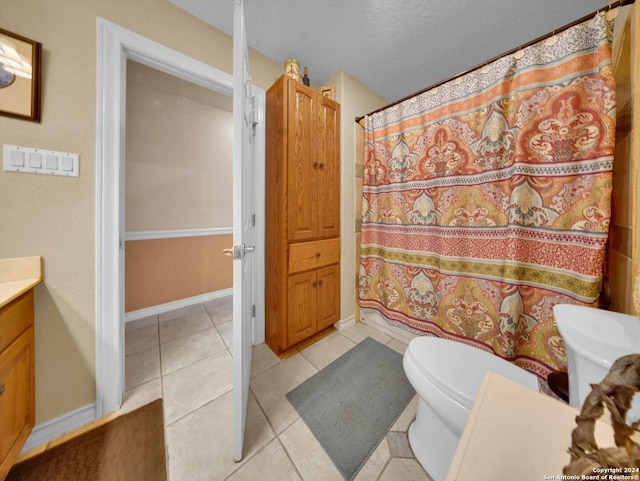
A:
[447,376]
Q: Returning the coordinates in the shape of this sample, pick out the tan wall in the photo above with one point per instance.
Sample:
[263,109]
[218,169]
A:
[622,250]
[355,100]
[159,271]
[55,216]
[359,182]
[179,167]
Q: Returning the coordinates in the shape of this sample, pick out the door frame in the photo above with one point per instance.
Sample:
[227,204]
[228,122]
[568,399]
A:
[115,45]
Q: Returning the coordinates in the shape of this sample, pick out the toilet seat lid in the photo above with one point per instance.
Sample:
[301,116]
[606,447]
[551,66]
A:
[458,369]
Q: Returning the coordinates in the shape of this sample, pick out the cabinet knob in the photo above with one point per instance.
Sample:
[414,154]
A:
[2,387]
[321,165]
[319,283]
[315,165]
[317,255]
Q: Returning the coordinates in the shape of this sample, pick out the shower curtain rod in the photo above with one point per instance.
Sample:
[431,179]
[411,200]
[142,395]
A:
[611,6]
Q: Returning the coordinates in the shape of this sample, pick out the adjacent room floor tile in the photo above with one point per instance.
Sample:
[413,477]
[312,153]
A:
[226,331]
[177,327]
[144,337]
[141,367]
[183,311]
[186,350]
[220,310]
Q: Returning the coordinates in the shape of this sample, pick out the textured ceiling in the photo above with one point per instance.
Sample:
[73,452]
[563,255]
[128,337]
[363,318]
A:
[394,47]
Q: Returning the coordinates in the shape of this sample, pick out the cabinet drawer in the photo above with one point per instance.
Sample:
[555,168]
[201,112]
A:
[305,256]
[15,317]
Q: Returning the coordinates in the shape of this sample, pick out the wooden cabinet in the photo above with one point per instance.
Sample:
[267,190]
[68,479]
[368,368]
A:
[303,213]
[17,386]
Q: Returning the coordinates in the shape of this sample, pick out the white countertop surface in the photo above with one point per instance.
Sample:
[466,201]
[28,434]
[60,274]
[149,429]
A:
[514,433]
[17,276]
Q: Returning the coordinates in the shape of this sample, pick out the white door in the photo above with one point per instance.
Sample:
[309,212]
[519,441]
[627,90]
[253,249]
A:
[243,227]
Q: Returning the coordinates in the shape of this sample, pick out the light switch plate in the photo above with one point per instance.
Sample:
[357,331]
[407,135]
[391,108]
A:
[40,161]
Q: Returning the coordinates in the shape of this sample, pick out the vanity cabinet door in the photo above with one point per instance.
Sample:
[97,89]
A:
[16,398]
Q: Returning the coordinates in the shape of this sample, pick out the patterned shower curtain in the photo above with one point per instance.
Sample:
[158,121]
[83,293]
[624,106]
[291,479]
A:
[486,200]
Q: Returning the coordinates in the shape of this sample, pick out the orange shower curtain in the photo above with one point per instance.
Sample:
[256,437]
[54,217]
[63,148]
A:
[487,199]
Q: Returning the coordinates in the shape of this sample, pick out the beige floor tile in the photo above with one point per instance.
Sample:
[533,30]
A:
[181,312]
[200,444]
[404,469]
[270,464]
[408,415]
[141,395]
[327,350]
[195,385]
[307,454]
[399,444]
[398,346]
[375,464]
[271,386]
[262,358]
[186,350]
[226,331]
[142,322]
[177,327]
[360,331]
[220,310]
[193,346]
[137,340]
[141,367]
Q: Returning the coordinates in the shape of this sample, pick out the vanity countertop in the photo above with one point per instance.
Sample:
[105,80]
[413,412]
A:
[516,433]
[17,276]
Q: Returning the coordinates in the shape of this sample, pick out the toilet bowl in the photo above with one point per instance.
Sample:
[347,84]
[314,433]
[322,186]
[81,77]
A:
[447,376]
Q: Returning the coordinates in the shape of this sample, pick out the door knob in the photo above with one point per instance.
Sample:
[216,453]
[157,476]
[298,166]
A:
[238,252]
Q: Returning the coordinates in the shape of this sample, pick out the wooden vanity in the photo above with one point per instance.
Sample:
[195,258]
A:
[18,277]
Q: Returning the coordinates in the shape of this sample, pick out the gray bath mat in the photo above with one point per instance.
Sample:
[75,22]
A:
[351,404]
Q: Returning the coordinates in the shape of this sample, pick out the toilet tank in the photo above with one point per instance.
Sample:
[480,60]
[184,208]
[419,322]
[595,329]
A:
[595,339]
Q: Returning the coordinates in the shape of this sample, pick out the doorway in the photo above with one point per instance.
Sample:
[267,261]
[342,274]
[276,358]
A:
[178,191]
[116,45]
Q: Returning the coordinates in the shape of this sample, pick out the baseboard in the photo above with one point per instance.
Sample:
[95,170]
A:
[53,429]
[345,323]
[170,306]
[373,318]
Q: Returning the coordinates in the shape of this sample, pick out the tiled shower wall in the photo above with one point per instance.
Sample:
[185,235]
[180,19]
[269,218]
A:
[622,249]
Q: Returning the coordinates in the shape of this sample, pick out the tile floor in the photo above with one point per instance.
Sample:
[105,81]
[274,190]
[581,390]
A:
[185,357]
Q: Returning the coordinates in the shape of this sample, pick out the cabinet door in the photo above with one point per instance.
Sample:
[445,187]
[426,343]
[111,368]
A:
[302,307]
[328,296]
[328,168]
[17,410]
[302,153]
